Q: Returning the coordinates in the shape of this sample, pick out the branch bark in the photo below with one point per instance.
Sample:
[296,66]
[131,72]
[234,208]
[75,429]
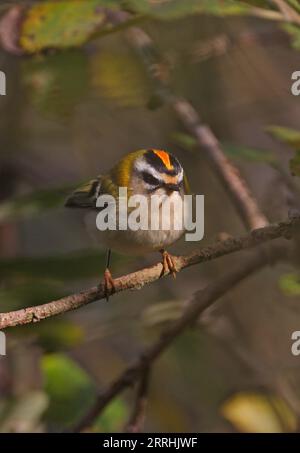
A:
[241,196]
[289,14]
[229,174]
[137,280]
[137,419]
[226,170]
[200,302]
[249,212]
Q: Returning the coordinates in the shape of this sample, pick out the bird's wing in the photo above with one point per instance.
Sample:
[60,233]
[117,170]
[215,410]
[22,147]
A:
[86,195]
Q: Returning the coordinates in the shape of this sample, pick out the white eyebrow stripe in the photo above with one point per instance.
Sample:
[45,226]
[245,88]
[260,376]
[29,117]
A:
[145,167]
[142,166]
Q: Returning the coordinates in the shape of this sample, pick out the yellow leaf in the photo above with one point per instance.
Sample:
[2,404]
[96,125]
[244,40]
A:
[258,413]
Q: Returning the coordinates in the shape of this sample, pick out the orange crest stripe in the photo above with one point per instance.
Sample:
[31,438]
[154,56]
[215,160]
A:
[164,156]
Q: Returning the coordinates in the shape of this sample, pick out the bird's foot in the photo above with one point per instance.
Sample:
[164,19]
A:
[168,264]
[109,284]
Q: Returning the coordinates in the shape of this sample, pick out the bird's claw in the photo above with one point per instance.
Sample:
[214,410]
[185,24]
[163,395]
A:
[109,284]
[168,264]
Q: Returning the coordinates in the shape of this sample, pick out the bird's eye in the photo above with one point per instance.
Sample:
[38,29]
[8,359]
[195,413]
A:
[149,179]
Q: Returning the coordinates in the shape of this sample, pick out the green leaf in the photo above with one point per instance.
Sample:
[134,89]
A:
[175,9]
[290,284]
[249,154]
[113,418]
[69,388]
[70,266]
[71,23]
[60,24]
[286,135]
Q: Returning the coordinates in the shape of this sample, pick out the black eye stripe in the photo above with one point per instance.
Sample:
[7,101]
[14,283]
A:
[150,179]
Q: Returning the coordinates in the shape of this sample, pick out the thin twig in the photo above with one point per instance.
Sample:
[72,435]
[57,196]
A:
[242,197]
[137,419]
[226,170]
[137,280]
[201,301]
[266,14]
[289,14]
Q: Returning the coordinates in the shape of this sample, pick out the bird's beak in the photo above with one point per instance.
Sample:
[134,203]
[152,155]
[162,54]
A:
[172,187]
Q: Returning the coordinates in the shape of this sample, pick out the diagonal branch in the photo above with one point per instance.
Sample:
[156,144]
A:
[228,173]
[201,301]
[289,14]
[137,419]
[137,280]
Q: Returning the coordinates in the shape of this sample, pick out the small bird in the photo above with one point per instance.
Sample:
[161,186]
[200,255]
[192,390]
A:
[144,172]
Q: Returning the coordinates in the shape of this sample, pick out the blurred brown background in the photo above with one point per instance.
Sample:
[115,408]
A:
[70,115]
